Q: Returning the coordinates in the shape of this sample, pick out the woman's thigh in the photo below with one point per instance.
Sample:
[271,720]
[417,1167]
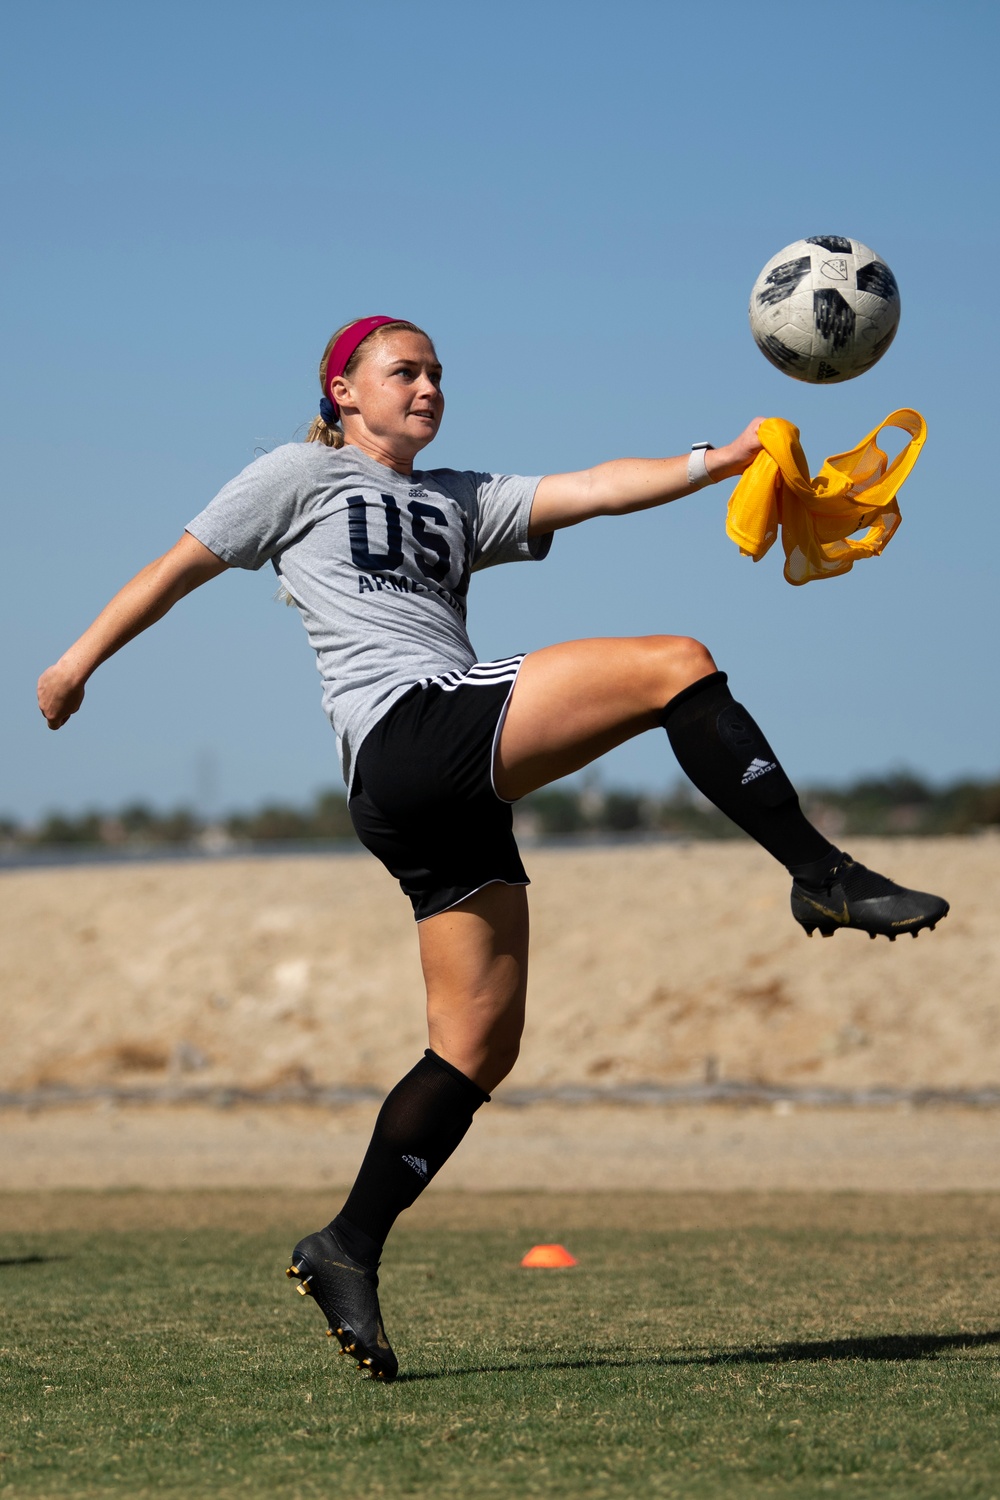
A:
[475,963]
[574,702]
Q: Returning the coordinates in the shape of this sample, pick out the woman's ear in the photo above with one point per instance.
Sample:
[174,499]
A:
[342,391]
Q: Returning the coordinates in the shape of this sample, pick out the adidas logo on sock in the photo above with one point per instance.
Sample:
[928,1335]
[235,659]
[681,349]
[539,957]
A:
[419,1166]
[757,767]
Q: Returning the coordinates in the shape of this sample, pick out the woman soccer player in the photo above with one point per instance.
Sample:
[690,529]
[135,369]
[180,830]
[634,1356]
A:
[435,746]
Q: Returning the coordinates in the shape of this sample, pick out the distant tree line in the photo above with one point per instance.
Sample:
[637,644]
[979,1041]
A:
[900,803]
[139,826]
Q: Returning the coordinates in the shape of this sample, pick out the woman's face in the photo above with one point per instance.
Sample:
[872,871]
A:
[394,395]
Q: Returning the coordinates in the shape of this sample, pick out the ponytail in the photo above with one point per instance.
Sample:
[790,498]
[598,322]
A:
[319,432]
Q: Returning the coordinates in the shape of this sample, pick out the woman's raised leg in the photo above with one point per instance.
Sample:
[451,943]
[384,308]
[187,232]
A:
[571,703]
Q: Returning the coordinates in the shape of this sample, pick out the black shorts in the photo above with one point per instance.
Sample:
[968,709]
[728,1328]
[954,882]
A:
[422,798]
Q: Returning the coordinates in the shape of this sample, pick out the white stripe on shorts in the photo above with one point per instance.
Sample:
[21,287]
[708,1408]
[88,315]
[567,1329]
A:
[483,674]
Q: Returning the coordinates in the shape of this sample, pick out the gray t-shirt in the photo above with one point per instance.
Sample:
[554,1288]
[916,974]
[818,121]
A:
[378,564]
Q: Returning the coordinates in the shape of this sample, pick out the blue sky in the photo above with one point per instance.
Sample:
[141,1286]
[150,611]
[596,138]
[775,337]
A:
[575,200]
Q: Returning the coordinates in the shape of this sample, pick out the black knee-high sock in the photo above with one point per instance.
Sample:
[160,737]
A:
[418,1127]
[727,757]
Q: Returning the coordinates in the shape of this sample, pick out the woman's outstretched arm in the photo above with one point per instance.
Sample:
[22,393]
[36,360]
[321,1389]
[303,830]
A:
[627,484]
[144,600]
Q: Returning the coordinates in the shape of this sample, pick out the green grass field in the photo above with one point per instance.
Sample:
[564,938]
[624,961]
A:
[726,1345]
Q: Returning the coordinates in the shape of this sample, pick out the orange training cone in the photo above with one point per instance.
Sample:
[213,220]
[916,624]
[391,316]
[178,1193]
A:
[548,1256]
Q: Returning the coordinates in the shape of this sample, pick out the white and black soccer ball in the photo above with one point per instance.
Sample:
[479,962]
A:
[824,309]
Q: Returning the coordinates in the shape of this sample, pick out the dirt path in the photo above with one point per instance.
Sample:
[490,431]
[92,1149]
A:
[545,1147]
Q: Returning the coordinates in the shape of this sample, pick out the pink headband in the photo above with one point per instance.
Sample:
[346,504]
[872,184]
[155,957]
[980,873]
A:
[340,354]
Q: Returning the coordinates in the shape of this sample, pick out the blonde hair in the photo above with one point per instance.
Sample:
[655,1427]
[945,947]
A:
[333,437]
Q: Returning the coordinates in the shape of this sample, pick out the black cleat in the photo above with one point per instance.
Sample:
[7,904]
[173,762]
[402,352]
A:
[347,1293]
[855,896]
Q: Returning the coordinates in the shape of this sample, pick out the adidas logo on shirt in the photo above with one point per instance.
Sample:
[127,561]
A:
[757,767]
[419,1166]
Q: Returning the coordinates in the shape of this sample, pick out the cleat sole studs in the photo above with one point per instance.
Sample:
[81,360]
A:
[293,1270]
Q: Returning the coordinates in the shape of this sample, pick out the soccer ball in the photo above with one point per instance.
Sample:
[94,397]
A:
[824,309]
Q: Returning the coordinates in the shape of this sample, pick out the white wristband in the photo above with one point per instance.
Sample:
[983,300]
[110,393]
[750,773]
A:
[698,475]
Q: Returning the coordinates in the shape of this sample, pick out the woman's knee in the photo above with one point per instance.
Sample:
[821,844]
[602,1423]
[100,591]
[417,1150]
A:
[486,1053]
[675,662]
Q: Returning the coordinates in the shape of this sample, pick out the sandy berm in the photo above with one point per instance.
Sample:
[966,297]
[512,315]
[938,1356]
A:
[653,964]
